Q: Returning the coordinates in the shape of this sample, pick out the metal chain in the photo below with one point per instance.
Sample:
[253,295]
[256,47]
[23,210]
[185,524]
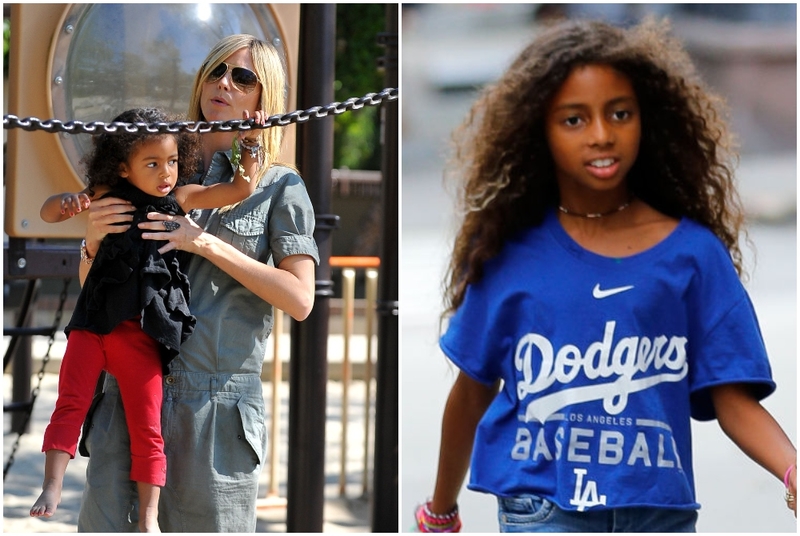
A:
[202,127]
[94,127]
[39,375]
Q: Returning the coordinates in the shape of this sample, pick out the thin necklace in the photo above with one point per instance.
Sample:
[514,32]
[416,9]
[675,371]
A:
[593,215]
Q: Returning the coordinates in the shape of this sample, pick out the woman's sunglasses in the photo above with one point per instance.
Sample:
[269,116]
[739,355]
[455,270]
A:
[243,79]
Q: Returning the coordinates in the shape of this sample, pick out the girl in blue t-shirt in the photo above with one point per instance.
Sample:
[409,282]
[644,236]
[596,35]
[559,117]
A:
[594,292]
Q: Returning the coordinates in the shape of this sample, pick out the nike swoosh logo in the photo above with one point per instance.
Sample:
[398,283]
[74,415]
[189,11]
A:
[599,294]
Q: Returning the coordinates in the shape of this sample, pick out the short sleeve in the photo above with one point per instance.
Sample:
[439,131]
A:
[731,348]
[472,340]
[291,222]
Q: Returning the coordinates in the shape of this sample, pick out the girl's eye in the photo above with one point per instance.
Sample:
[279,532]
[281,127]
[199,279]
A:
[622,115]
[173,162]
[151,164]
[572,121]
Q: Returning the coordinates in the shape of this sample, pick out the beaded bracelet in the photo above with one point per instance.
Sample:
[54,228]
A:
[252,146]
[427,521]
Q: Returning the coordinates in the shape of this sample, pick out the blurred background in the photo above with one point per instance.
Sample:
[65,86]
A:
[746,52]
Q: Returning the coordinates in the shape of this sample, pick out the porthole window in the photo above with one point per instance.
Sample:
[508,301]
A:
[108,58]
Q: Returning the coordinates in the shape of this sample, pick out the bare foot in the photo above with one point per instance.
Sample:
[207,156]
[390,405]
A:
[148,521]
[48,501]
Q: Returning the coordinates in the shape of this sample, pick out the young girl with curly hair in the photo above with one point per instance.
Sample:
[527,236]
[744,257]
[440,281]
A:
[595,294]
[133,310]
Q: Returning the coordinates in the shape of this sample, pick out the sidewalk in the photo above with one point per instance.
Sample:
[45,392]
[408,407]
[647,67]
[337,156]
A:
[341,514]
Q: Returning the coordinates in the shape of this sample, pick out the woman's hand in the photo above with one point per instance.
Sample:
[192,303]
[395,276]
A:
[179,231]
[107,215]
[289,286]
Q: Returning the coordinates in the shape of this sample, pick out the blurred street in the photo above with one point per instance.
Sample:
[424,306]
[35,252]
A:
[736,494]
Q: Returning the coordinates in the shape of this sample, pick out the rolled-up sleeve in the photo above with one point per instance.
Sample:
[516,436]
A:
[291,222]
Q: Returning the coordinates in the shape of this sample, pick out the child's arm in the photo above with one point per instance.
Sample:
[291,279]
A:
[192,196]
[62,207]
[755,432]
[465,406]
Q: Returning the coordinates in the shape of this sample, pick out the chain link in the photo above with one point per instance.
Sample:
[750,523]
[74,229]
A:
[202,127]
[40,376]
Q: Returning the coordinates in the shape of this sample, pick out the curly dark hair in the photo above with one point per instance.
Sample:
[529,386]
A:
[111,150]
[503,164]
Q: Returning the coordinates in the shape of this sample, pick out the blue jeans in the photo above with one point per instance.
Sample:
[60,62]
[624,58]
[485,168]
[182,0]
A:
[533,514]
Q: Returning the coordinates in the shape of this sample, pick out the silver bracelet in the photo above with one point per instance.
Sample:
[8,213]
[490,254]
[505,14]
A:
[85,253]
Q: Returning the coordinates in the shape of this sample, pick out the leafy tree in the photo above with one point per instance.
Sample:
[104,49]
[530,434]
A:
[357,134]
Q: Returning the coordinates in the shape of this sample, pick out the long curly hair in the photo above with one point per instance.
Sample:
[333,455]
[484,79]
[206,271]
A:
[502,162]
[111,150]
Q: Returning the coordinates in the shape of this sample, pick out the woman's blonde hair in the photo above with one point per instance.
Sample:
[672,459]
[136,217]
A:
[271,72]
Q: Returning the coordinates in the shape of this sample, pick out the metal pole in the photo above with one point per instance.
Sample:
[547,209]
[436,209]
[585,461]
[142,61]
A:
[23,359]
[385,504]
[369,313]
[275,424]
[309,350]
[348,298]
[273,498]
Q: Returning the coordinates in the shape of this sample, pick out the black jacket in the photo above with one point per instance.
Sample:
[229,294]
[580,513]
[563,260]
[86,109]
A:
[130,278]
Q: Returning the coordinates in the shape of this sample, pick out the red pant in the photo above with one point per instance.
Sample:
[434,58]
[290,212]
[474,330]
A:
[132,357]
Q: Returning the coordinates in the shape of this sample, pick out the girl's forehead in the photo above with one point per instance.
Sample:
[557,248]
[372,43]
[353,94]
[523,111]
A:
[595,76]
[587,69]
[590,85]
[152,142]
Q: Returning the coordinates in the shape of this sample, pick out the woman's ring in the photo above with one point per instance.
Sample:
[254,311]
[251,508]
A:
[171,225]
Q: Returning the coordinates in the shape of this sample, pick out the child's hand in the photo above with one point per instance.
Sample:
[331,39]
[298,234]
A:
[248,142]
[74,203]
[251,137]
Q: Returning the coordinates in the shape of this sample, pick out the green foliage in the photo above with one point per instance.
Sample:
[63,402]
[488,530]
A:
[356,142]
[6,43]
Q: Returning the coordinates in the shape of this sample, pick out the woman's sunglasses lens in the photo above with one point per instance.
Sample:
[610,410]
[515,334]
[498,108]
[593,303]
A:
[244,77]
[218,72]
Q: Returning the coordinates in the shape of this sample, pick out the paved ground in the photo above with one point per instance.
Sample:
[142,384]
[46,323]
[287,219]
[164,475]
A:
[342,514]
[737,495]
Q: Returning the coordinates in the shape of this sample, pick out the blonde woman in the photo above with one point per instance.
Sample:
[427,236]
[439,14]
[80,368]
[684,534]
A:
[248,258]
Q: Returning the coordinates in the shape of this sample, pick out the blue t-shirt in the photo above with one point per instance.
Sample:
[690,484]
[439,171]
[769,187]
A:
[603,362]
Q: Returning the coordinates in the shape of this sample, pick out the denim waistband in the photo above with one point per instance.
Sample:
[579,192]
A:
[181,380]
